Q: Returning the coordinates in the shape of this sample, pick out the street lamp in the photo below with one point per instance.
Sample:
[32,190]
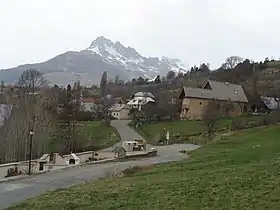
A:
[31,133]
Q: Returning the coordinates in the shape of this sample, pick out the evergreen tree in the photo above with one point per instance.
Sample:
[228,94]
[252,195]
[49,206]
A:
[103,84]
[157,80]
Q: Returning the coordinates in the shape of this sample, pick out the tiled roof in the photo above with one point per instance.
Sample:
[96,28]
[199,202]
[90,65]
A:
[88,100]
[144,94]
[219,90]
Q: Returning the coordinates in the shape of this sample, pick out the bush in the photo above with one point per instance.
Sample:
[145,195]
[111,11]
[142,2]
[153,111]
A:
[85,116]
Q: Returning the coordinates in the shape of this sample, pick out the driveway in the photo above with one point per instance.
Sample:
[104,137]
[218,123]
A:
[17,191]
[126,133]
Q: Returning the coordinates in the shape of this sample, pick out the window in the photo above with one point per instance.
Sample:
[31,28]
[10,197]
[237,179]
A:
[200,103]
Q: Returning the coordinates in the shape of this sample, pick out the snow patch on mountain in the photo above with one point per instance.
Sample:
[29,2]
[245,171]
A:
[131,60]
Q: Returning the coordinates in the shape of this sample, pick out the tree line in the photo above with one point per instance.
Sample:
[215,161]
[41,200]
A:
[53,113]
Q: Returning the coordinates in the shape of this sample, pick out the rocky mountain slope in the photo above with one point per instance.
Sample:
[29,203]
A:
[89,64]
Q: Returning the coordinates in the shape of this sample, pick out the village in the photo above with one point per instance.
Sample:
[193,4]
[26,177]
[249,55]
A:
[215,99]
[85,133]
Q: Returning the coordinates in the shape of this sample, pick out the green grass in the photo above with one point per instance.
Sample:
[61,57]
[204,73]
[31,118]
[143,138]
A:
[241,171]
[273,64]
[98,134]
[152,131]
[91,135]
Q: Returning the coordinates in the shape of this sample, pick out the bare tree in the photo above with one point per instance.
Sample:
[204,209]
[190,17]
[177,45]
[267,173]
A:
[14,136]
[231,62]
[230,65]
[31,80]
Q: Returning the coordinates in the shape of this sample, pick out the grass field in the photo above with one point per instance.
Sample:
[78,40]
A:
[92,135]
[98,134]
[152,131]
[237,172]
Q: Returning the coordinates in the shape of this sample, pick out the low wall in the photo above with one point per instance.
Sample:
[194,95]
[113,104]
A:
[85,156]
[22,167]
[136,155]
[49,167]
[104,155]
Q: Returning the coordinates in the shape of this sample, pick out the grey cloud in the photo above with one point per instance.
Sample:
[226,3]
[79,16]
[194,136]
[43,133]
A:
[192,30]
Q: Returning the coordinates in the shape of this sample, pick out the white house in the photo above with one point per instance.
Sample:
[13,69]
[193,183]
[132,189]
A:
[140,99]
[120,111]
[88,104]
[5,112]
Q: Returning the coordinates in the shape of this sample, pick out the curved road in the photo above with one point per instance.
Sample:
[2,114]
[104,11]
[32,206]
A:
[126,133]
[16,191]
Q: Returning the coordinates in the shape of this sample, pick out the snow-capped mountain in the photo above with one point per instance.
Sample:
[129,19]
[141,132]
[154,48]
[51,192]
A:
[88,65]
[130,59]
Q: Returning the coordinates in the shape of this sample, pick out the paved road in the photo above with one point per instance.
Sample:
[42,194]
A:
[16,191]
[126,133]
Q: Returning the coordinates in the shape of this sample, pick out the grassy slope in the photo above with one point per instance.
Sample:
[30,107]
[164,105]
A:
[98,134]
[237,172]
[93,135]
[185,127]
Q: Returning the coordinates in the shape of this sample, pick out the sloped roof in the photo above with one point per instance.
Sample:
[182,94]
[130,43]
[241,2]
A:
[44,157]
[219,90]
[74,156]
[144,94]
[270,102]
[118,107]
[141,101]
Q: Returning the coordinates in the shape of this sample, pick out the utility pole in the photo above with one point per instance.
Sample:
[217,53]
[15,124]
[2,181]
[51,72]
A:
[31,133]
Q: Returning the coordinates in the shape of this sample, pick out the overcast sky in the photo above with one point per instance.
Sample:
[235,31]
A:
[193,30]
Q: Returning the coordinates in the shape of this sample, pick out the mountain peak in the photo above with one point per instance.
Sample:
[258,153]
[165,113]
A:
[100,41]
[102,55]
[128,58]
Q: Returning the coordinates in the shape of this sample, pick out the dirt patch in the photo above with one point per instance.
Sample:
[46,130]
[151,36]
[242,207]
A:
[136,169]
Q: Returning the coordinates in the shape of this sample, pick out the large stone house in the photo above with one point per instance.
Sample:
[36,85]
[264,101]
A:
[196,100]
[120,111]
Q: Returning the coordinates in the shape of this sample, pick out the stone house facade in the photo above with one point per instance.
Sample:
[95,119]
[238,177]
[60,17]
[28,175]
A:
[231,100]
[120,111]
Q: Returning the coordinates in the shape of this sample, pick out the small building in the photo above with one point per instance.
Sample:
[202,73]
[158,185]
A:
[72,159]
[270,103]
[5,113]
[88,104]
[136,145]
[196,100]
[120,152]
[43,160]
[120,111]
